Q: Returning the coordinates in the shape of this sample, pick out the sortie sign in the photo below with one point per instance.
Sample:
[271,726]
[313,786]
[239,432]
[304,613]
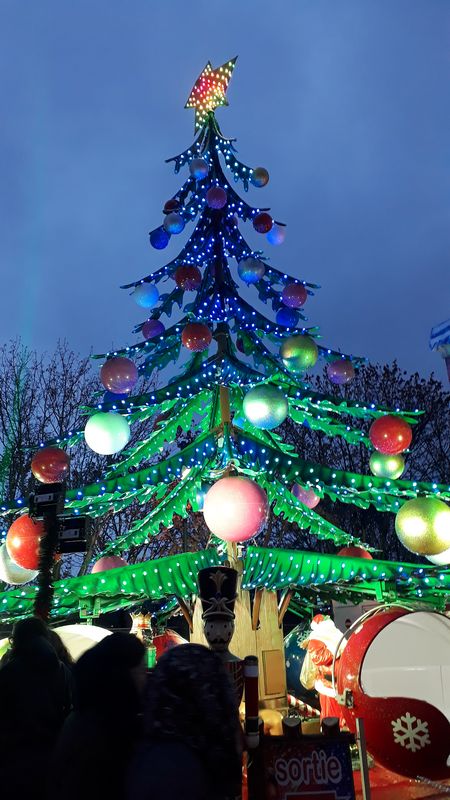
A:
[312,768]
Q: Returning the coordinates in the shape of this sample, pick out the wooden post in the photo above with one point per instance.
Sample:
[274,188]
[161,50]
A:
[284,605]
[256,606]
[186,611]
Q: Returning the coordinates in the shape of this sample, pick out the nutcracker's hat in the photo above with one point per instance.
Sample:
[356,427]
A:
[217,591]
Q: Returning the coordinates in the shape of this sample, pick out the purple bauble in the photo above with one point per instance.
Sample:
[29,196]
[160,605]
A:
[159,238]
[152,328]
[287,317]
[173,223]
[216,197]
[341,371]
[119,375]
[306,496]
[294,295]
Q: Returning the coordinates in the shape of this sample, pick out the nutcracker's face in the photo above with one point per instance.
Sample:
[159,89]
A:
[219,632]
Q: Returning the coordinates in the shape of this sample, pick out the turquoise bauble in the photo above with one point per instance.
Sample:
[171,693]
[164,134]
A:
[423,526]
[251,270]
[265,407]
[299,353]
[385,466]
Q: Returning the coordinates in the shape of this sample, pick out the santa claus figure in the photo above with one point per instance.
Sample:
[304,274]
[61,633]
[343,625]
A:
[324,642]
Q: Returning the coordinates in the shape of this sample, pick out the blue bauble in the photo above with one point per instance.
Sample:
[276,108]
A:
[198,168]
[294,656]
[287,317]
[173,223]
[201,494]
[146,295]
[159,238]
[111,397]
[265,406]
[251,270]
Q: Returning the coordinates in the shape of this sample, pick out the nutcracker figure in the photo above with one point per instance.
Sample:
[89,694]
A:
[217,592]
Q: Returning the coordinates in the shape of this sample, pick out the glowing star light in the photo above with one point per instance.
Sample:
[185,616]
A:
[209,91]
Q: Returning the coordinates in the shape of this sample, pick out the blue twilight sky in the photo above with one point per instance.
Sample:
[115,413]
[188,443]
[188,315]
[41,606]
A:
[346,102]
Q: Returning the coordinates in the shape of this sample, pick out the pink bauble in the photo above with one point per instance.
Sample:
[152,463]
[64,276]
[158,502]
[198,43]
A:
[353,551]
[340,371]
[108,562]
[216,197]
[235,509]
[306,496]
[152,328]
[294,295]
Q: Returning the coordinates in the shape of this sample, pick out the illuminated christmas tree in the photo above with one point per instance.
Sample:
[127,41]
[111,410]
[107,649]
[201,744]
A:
[240,373]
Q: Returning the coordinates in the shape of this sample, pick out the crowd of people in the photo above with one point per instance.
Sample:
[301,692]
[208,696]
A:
[106,727]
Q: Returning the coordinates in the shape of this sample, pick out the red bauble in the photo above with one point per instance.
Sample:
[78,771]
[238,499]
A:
[294,295]
[354,552]
[188,277]
[171,205]
[50,465]
[393,665]
[119,375]
[22,541]
[262,222]
[165,641]
[390,435]
[216,197]
[196,336]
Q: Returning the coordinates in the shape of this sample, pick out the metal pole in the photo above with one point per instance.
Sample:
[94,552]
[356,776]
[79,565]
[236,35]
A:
[362,752]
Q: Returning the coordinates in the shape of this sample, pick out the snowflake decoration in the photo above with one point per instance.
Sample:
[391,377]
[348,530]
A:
[410,732]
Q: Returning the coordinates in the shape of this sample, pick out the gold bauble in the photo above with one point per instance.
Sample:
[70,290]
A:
[423,526]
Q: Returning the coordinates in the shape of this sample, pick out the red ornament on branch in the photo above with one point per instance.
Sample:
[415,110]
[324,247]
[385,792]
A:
[50,465]
[352,551]
[188,277]
[196,337]
[390,435]
[22,541]
[263,222]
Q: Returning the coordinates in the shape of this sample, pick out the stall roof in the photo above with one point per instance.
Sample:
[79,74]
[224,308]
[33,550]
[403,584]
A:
[311,575]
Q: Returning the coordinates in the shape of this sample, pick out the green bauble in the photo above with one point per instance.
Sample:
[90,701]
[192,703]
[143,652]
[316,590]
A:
[265,406]
[299,353]
[423,526]
[385,466]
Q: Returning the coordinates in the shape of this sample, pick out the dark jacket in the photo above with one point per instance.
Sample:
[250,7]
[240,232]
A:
[168,770]
[35,698]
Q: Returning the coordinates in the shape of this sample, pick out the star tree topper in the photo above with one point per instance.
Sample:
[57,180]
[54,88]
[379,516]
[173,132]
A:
[209,91]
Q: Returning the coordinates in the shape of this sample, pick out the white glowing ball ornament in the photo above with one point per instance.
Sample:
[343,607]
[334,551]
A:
[106,433]
[235,509]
